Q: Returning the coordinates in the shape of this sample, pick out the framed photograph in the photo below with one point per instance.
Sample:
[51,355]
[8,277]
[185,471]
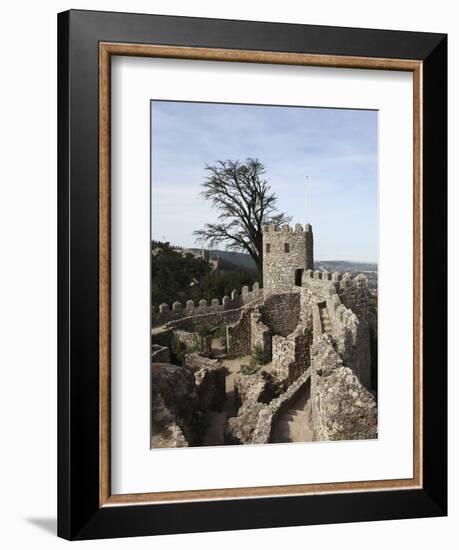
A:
[252,274]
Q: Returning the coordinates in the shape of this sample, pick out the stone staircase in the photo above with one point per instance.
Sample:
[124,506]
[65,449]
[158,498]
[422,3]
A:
[324,319]
[294,424]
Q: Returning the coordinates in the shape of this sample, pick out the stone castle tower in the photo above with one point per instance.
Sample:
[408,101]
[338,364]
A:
[287,254]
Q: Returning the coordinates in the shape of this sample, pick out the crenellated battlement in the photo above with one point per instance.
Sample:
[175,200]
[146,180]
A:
[341,280]
[287,253]
[286,229]
[178,310]
[339,303]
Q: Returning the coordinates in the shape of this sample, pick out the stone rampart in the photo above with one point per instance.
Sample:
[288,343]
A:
[166,313]
[346,300]
[351,288]
[342,325]
[326,303]
[354,295]
[193,323]
[342,408]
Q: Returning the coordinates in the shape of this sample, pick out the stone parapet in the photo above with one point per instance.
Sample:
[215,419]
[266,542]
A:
[342,408]
[166,312]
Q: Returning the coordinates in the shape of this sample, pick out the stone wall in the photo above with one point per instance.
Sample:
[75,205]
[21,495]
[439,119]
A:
[160,354]
[239,429]
[290,356]
[261,336]
[252,393]
[174,404]
[238,335]
[346,301]
[342,326]
[253,387]
[320,329]
[268,414]
[281,312]
[166,313]
[210,382]
[205,318]
[316,323]
[354,295]
[342,408]
[195,323]
[192,340]
[188,327]
[287,253]
[320,283]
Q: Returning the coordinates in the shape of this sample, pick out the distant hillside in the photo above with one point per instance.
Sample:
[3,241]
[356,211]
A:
[179,274]
[341,265]
[369,269]
[245,261]
[237,260]
[235,269]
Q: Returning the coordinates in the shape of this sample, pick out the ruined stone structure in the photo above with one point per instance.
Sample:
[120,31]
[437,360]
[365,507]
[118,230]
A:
[160,354]
[287,254]
[342,407]
[173,404]
[312,329]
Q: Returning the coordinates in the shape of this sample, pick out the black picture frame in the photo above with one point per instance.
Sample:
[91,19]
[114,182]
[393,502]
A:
[80,515]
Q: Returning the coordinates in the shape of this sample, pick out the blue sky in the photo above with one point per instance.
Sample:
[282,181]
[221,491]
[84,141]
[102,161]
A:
[321,163]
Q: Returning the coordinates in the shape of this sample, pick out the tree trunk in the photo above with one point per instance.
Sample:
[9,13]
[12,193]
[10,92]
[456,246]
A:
[259,259]
[260,272]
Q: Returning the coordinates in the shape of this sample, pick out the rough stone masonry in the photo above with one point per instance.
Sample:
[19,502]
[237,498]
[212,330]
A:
[312,329]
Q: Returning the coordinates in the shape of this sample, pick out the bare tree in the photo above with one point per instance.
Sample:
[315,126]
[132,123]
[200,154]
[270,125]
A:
[244,201]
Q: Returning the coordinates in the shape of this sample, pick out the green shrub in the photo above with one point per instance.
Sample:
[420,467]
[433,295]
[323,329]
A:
[205,334]
[220,333]
[193,348]
[178,351]
[204,331]
[251,368]
[259,356]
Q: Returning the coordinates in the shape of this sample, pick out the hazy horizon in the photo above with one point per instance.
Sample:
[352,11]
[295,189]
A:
[321,164]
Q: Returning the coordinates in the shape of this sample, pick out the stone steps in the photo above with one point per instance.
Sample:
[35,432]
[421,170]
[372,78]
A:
[294,424]
[325,320]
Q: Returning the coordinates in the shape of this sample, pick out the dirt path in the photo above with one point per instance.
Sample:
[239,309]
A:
[217,420]
[217,347]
